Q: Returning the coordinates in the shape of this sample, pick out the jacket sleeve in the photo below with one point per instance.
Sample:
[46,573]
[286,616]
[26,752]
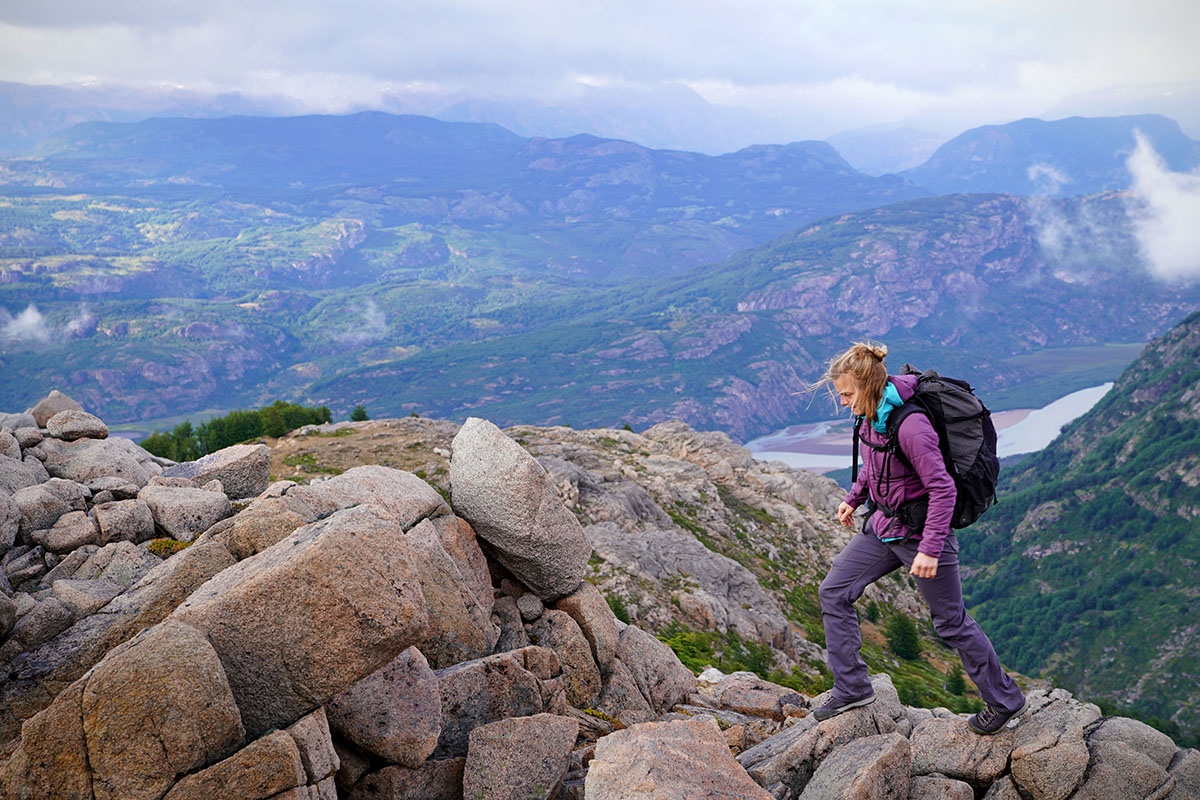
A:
[919,443]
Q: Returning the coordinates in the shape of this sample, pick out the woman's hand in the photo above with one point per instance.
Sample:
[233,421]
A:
[846,515]
[924,566]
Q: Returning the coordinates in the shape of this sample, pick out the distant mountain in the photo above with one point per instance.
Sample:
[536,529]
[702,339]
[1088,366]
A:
[580,206]
[1094,548]
[1064,158]
[883,149]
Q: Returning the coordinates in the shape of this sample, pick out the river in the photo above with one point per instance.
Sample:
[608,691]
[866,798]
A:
[825,445]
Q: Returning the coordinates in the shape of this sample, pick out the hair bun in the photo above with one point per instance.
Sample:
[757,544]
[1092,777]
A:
[879,351]
[873,349]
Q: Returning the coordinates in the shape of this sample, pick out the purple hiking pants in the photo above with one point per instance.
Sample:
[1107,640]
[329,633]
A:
[866,560]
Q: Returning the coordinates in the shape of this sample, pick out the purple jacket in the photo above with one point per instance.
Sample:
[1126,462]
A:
[928,475]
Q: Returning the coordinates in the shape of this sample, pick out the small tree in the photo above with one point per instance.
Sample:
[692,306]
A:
[954,681]
[873,611]
[902,637]
[359,414]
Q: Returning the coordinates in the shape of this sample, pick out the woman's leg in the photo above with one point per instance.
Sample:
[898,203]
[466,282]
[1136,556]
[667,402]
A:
[943,593]
[863,561]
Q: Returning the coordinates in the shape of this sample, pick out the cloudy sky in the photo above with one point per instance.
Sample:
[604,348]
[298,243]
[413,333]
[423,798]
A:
[823,66]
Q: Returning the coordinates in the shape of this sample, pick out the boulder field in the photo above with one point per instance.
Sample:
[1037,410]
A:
[198,631]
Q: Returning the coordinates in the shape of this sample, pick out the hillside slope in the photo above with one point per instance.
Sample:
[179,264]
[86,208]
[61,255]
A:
[1095,544]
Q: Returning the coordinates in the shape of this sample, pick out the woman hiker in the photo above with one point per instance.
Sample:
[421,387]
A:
[862,384]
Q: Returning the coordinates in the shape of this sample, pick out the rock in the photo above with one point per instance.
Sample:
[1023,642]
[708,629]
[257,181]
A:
[18,422]
[658,673]
[120,562]
[70,564]
[394,713]
[948,746]
[9,446]
[513,506]
[10,523]
[747,693]
[530,606]
[8,615]
[156,707]
[124,521]
[26,436]
[621,699]
[1049,757]
[1155,745]
[48,619]
[70,425]
[185,513]
[49,669]
[512,631]
[119,488]
[259,770]
[51,760]
[26,567]
[688,760]
[72,530]
[460,626]
[436,780]
[266,521]
[523,757]
[482,691]
[315,744]
[1117,770]
[94,461]
[341,591]
[354,765]
[931,787]
[85,597]
[1003,789]
[1185,769]
[871,768]
[16,475]
[593,616]
[39,507]
[50,405]
[581,676]
[244,470]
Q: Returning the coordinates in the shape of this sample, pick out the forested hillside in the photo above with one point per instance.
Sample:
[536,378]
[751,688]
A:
[1092,552]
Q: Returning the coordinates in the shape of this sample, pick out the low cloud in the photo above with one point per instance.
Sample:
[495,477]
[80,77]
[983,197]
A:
[28,326]
[82,323]
[372,327]
[1048,179]
[1165,209]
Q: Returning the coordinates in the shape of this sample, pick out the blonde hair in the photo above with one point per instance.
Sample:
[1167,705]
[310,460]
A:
[863,361]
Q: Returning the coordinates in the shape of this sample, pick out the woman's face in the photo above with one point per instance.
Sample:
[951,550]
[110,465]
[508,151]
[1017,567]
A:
[850,395]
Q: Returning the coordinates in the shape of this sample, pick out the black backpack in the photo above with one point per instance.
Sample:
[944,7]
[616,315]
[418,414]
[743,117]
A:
[966,436]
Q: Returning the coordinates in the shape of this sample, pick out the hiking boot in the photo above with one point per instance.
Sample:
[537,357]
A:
[835,707]
[992,719]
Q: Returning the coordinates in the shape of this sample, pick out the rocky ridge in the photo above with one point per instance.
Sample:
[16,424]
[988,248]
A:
[363,636]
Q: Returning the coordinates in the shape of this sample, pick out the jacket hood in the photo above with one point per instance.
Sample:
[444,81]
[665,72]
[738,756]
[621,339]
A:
[906,385]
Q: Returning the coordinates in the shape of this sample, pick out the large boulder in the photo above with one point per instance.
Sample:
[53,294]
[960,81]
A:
[260,770]
[70,532]
[486,690]
[17,422]
[658,673]
[581,676]
[45,672]
[50,405]
[513,506]
[460,623]
[95,462]
[71,424]
[871,768]
[85,597]
[1153,744]
[315,742]
[38,507]
[8,614]
[1118,770]
[184,512]
[1049,757]
[949,747]
[621,699]
[16,475]
[440,779]
[154,708]
[120,562]
[394,713]
[749,694]
[10,523]
[312,615]
[934,787]
[683,760]
[521,757]
[244,470]
[124,521]
[591,613]
[51,760]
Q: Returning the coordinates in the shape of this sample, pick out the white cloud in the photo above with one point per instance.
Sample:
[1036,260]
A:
[1048,179]
[372,327]
[1165,209]
[28,326]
